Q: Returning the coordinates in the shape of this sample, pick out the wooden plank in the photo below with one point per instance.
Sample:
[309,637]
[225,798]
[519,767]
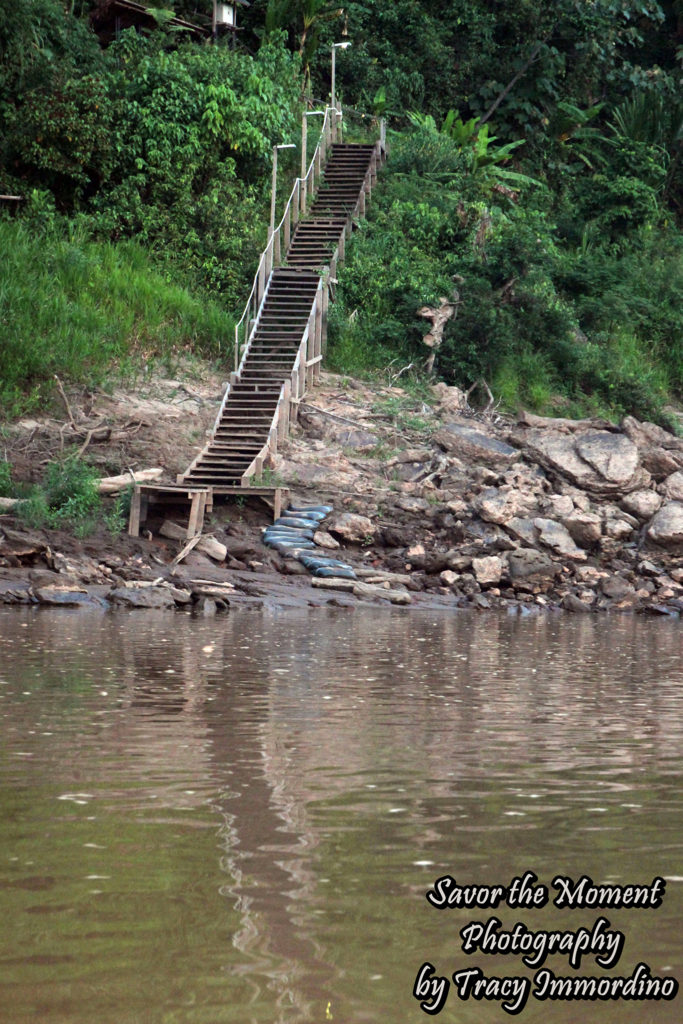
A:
[134,518]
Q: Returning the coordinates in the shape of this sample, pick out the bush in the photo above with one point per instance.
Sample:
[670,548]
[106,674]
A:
[68,496]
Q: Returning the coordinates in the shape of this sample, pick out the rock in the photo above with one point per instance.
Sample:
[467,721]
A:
[598,461]
[487,535]
[571,603]
[588,574]
[416,553]
[645,434]
[65,596]
[411,504]
[149,597]
[448,578]
[672,487]
[527,563]
[616,588]
[614,456]
[618,529]
[558,506]
[646,568]
[643,504]
[473,444]
[557,537]
[449,399]
[498,505]
[585,528]
[666,527]
[354,528]
[361,440]
[660,463]
[325,540]
[523,529]
[488,570]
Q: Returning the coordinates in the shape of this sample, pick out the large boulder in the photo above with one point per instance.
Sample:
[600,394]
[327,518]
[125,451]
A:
[597,461]
[475,445]
[666,527]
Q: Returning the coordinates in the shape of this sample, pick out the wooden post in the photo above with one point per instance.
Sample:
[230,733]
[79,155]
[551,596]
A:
[318,346]
[325,313]
[276,255]
[288,227]
[134,518]
[296,202]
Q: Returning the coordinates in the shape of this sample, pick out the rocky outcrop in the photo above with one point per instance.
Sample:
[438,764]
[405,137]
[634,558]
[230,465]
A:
[598,462]
[468,443]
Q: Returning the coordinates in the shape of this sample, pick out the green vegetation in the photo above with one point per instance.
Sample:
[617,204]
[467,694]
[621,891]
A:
[68,496]
[75,307]
[556,232]
[536,180]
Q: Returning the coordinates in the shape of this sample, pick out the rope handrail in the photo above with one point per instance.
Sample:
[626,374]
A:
[272,251]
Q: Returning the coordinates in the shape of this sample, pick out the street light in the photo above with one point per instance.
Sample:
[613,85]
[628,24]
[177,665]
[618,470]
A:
[304,138]
[335,47]
[283,145]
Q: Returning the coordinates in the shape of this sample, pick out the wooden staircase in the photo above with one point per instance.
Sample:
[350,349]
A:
[289,322]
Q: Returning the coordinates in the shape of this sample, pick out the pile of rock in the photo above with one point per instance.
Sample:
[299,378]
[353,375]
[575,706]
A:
[581,514]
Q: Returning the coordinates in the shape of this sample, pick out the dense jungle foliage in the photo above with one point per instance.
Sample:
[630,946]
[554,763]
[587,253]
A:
[535,181]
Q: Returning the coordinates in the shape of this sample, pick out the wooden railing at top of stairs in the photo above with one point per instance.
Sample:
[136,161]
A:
[310,353]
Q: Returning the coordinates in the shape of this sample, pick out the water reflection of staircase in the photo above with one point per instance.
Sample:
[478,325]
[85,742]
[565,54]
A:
[246,420]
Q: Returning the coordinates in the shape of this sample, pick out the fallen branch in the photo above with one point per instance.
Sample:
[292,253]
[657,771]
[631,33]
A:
[491,400]
[184,552]
[96,430]
[66,403]
[8,504]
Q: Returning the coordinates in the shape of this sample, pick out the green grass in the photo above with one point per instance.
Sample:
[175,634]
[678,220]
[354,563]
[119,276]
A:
[84,310]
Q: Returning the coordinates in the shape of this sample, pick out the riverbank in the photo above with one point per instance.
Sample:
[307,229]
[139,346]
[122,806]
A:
[435,505]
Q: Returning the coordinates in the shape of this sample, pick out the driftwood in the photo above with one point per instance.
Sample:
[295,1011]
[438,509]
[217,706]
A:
[8,504]
[114,484]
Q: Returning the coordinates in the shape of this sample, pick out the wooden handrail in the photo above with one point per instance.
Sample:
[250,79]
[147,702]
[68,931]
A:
[273,252]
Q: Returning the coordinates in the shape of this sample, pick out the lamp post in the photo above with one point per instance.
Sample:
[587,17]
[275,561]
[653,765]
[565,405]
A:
[335,47]
[282,145]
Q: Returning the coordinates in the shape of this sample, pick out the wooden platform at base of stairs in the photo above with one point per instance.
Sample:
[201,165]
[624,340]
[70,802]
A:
[200,500]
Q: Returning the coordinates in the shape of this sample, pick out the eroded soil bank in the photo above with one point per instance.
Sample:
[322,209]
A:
[435,505]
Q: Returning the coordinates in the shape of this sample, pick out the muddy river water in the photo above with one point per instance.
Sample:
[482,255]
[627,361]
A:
[238,819]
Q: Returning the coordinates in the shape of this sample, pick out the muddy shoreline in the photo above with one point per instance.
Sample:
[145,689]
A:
[435,505]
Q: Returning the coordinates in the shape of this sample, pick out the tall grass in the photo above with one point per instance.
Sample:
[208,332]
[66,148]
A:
[84,309]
